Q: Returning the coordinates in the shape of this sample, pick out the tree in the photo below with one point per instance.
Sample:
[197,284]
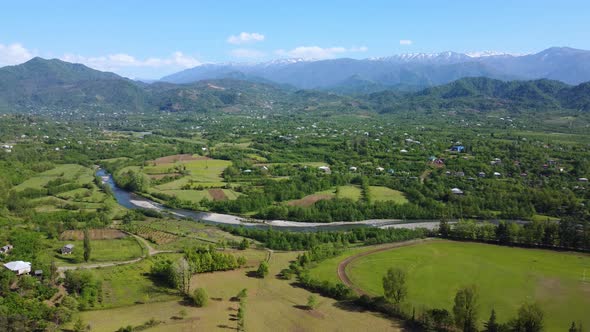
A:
[87,248]
[243,294]
[242,261]
[244,244]
[182,275]
[200,297]
[444,228]
[491,325]
[394,285]
[465,309]
[79,326]
[312,302]
[262,270]
[53,272]
[529,319]
[575,328]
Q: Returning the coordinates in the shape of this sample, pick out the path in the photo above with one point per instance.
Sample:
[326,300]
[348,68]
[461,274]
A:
[151,252]
[342,266]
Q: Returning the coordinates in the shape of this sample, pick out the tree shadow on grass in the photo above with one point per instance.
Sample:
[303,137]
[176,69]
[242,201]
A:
[223,326]
[350,306]
[252,274]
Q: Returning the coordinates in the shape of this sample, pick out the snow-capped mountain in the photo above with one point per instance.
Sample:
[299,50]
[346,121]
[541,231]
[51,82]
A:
[413,69]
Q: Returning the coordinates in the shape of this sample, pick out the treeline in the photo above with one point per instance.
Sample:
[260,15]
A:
[279,240]
[176,274]
[566,233]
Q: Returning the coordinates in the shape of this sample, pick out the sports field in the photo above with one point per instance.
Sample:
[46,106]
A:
[506,277]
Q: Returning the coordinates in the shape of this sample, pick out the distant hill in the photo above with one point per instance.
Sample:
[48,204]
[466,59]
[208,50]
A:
[55,83]
[482,94]
[568,65]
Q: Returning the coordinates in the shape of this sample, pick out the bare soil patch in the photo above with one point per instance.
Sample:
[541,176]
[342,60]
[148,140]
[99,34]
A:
[178,157]
[309,200]
[95,234]
[160,176]
[217,194]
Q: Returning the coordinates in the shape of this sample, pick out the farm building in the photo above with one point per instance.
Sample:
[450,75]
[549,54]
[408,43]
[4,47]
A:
[457,191]
[19,267]
[458,148]
[6,249]
[67,249]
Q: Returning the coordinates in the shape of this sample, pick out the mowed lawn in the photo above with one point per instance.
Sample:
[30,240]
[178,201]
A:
[272,305]
[123,249]
[506,277]
[384,194]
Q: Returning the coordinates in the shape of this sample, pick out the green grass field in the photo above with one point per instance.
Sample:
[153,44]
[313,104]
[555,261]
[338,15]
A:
[385,194]
[102,250]
[272,305]
[506,277]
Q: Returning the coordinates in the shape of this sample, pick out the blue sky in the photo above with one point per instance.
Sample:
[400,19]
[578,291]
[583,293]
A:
[149,39]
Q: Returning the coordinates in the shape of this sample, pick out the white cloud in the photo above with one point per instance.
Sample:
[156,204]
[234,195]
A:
[405,42]
[247,53]
[316,52]
[119,61]
[14,54]
[245,38]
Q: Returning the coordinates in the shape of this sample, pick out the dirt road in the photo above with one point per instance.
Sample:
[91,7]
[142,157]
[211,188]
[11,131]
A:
[342,266]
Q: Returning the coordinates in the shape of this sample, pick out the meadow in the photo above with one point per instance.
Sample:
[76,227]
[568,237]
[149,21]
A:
[281,305]
[505,277]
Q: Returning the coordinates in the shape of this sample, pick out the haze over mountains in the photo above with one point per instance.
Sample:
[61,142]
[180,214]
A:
[405,82]
[412,71]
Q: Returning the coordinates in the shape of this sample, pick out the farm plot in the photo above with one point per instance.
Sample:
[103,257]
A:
[94,234]
[384,194]
[437,269]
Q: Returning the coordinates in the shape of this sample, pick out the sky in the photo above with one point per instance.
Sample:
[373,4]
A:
[150,39]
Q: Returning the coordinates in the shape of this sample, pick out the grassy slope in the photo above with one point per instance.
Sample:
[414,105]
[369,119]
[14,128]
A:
[505,277]
[386,194]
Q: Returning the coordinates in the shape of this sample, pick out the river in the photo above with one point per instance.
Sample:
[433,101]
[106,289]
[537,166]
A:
[133,201]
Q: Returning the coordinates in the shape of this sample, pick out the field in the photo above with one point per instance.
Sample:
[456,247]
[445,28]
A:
[86,195]
[199,172]
[121,249]
[350,192]
[127,285]
[385,194]
[437,269]
[272,305]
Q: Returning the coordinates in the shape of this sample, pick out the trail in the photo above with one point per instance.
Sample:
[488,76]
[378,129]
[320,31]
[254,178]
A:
[342,266]
[151,251]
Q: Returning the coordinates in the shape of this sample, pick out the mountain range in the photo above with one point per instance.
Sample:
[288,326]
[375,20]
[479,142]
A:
[409,71]
[55,85]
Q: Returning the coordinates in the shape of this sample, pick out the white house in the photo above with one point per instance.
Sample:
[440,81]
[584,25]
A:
[326,169]
[19,267]
[380,169]
[352,168]
[457,191]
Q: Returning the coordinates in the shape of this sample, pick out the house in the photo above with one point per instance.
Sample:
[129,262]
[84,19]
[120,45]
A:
[325,169]
[456,191]
[583,179]
[67,249]
[352,168]
[19,267]
[7,248]
[403,151]
[38,273]
[247,171]
[460,174]
[481,174]
[380,169]
[497,174]
[458,148]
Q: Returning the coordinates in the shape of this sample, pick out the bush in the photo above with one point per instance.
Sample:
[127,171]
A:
[199,297]
[262,270]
